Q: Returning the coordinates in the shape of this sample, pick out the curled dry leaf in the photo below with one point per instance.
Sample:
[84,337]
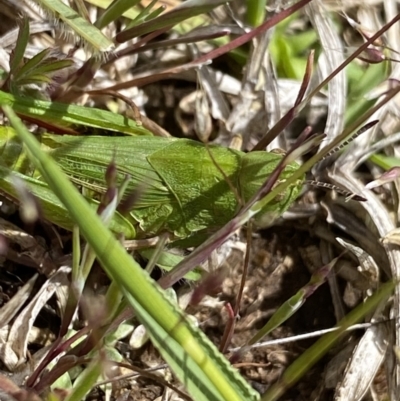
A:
[11,308]
[367,264]
[350,224]
[392,237]
[14,351]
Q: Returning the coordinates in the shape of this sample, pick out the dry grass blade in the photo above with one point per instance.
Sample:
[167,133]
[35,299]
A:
[344,218]
[329,60]
[364,363]
[371,349]
[11,308]
[16,351]
[251,115]
[384,224]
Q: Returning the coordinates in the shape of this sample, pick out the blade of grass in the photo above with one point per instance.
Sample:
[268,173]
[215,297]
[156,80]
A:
[79,25]
[294,303]
[256,11]
[114,11]
[64,115]
[185,10]
[86,381]
[18,53]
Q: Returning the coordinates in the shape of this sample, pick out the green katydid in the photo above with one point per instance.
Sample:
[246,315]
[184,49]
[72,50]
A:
[186,192]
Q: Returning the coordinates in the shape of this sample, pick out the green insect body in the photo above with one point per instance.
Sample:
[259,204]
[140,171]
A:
[184,191]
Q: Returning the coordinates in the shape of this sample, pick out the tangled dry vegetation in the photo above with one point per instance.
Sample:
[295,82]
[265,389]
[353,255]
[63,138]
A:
[215,78]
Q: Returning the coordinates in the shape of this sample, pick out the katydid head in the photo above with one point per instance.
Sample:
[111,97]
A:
[255,170]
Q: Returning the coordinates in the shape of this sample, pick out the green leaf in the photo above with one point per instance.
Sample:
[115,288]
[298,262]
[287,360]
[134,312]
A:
[256,11]
[115,11]
[167,261]
[131,14]
[385,162]
[52,66]
[31,64]
[79,25]
[146,14]
[185,10]
[85,381]
[35,79]
[18,54]
[67,115]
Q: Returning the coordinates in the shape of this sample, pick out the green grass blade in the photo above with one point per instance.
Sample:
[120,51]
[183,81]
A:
[146,14]
[31,64]
[185,10]
[85,381]
[294,303]
[18,54]
[34,79]
[256,11]
[53,66]
[211,372]
[114,11]
[79,25]
[198,385]
[66,115]
[167,261]
[283,313]
[104,4]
